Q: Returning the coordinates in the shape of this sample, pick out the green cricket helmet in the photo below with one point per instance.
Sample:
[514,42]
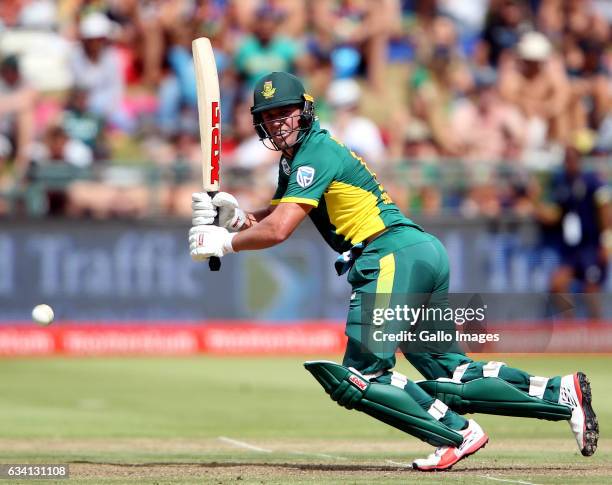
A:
[276,90]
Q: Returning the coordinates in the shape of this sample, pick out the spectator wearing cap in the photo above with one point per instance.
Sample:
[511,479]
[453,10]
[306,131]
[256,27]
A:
[96,67]
[535,82]
[357,132]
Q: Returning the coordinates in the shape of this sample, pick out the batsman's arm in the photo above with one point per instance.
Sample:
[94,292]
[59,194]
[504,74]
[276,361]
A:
[273,228]
[257,216]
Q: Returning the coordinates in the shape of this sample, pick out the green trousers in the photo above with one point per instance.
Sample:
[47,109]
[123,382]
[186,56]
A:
[406,262]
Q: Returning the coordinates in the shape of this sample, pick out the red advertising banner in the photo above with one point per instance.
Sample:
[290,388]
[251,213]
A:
[235,338]
[172,338]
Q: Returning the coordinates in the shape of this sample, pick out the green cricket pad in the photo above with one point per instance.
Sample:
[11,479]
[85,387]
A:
[492,395]
[384,402]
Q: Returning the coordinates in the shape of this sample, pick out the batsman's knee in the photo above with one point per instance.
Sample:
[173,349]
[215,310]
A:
[346,395]
[344,385]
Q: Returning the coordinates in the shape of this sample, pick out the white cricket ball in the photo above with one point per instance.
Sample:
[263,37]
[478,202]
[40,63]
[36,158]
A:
[42,314]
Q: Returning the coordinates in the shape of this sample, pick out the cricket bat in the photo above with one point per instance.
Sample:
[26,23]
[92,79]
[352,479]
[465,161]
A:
[209,112]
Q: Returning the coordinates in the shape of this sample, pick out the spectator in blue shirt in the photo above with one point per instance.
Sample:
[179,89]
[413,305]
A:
[578,217]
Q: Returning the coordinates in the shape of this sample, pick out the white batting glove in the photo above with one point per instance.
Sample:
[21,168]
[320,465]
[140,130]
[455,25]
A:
[231,216]
[203,212]
[207,241]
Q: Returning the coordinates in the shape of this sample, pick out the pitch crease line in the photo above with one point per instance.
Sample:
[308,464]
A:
[506,480]
[242,444]
[408,465]
[322,455]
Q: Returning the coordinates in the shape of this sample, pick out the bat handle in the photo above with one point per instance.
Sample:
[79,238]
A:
[214,263]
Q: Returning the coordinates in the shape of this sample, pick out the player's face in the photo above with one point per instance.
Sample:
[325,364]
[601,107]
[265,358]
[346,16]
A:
[283,125]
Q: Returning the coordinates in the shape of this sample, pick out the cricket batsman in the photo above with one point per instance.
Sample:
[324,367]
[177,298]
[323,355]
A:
[384,253]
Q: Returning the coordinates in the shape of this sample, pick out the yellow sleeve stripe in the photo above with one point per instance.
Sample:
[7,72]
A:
[275,201]
[301,200]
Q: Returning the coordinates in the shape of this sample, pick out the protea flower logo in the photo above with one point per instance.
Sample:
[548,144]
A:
[268,90]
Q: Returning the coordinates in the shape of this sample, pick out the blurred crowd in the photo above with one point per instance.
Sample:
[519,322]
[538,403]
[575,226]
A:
[465,107]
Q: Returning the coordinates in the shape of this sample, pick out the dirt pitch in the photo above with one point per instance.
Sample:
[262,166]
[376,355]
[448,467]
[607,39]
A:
[231,460]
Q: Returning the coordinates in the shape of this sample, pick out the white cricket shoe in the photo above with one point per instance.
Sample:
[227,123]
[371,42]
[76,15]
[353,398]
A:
[575,392]
[474,438]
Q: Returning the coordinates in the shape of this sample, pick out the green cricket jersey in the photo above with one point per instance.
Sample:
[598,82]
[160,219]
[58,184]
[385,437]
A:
[349,203]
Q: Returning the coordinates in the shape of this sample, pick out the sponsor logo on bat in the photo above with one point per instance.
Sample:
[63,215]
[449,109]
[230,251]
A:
[215,142]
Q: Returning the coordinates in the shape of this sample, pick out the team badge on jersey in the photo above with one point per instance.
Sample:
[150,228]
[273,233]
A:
[285,166]
[305,176]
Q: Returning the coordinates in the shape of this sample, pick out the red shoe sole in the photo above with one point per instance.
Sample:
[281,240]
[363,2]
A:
[478,446]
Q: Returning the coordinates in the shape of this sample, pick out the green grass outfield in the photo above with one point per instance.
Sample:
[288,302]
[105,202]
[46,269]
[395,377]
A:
[259,420]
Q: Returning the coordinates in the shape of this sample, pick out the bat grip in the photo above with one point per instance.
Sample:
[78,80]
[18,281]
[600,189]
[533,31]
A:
[214,263]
